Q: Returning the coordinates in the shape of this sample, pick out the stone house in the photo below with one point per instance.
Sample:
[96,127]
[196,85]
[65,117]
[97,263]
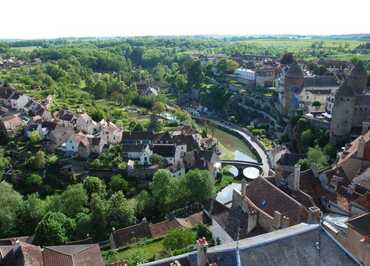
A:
[24,254]
[111,132]
[85,123]
[97,144]
[9,124]
[265,76]
[137,152]
[65,118]
[18,101]
[170,152]
[263,206]
[76,143]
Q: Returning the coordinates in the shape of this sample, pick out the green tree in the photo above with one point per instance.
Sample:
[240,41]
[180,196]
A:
[39,162]
[120,213]
[4,164]
[93,184]
[307,139]
[197,185]
[33,182]
[99,221]
[54,229]
[10,201]
[316,157]
[73,200]
[35,137]
[29,214]
[158,107]
[163,189]
[178,239]
[118,183]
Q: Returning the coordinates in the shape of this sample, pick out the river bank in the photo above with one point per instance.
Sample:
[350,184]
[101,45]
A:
[256,148]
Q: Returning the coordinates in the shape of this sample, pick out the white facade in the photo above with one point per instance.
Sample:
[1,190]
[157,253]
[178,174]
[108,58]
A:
[245,74]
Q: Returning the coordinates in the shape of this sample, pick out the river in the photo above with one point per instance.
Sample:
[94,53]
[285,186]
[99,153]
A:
[232,148]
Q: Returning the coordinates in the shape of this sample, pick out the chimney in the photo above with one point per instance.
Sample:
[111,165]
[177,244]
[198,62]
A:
[294,183]
[365,127]
[277,219]
[361,147]
[314,215]
[244,187]
[202,246]
[285,222]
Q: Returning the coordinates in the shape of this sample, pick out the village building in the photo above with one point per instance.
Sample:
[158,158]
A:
[141,153]
[265,76]
[10,124]
[349,106]
[85,124]
[301,244]
[25,254]
[144,229]
[263,206]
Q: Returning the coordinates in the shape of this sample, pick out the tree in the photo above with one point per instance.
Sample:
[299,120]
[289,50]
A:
[73,200]
[4,164]
[227,66]
[163,189]
[33,182]
[158,107]
[39,162]
[83,226]
[307,138]
[316,104]
[120,214]
[203,231]
[35,137]
[155,124]
[10,201]
[118,183]
[99,211]
[54,229]
[316,157]
[178,239]
[29,214]
[93,184]
[197,185]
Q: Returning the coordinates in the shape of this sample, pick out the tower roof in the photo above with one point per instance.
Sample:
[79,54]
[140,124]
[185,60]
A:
[345,90]
[294,71]
[359,70]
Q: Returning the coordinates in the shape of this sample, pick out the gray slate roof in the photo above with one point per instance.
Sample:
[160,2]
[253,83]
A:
[302,244]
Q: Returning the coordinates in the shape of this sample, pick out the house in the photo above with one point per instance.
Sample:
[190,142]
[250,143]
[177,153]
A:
[265,76]
[24,254]
[111,132]
[263,206]
[85,123]
[76,143]
[170,152]
[137,138]
[144,229]
[137,152]
[97,144]
[246,76]
[302,244]
[73,255]
[18,101]
[9,124]
[65,118]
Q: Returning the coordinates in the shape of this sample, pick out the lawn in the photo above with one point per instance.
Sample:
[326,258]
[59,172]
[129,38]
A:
[146,250]
[226,180]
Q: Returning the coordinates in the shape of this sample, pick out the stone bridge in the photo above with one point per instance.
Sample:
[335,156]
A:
[241,165]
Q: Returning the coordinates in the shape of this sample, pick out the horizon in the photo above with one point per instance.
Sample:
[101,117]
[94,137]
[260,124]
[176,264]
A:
[38,19]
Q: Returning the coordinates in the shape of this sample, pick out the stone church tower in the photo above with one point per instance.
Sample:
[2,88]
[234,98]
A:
[351,105]
[293,83]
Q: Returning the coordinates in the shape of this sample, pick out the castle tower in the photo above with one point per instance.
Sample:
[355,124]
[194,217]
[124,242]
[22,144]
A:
[293,83]
[358,79]
[342,114]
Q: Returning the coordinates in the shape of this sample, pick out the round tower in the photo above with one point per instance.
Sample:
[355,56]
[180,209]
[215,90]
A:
[342,114]
[358,79]
[293,83]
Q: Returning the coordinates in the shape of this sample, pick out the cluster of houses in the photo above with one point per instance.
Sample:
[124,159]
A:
[180,150]
[337,100]
[78,134]
[21,251]
[61,131]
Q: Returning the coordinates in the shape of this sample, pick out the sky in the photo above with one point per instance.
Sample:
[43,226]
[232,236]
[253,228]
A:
[32,19]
